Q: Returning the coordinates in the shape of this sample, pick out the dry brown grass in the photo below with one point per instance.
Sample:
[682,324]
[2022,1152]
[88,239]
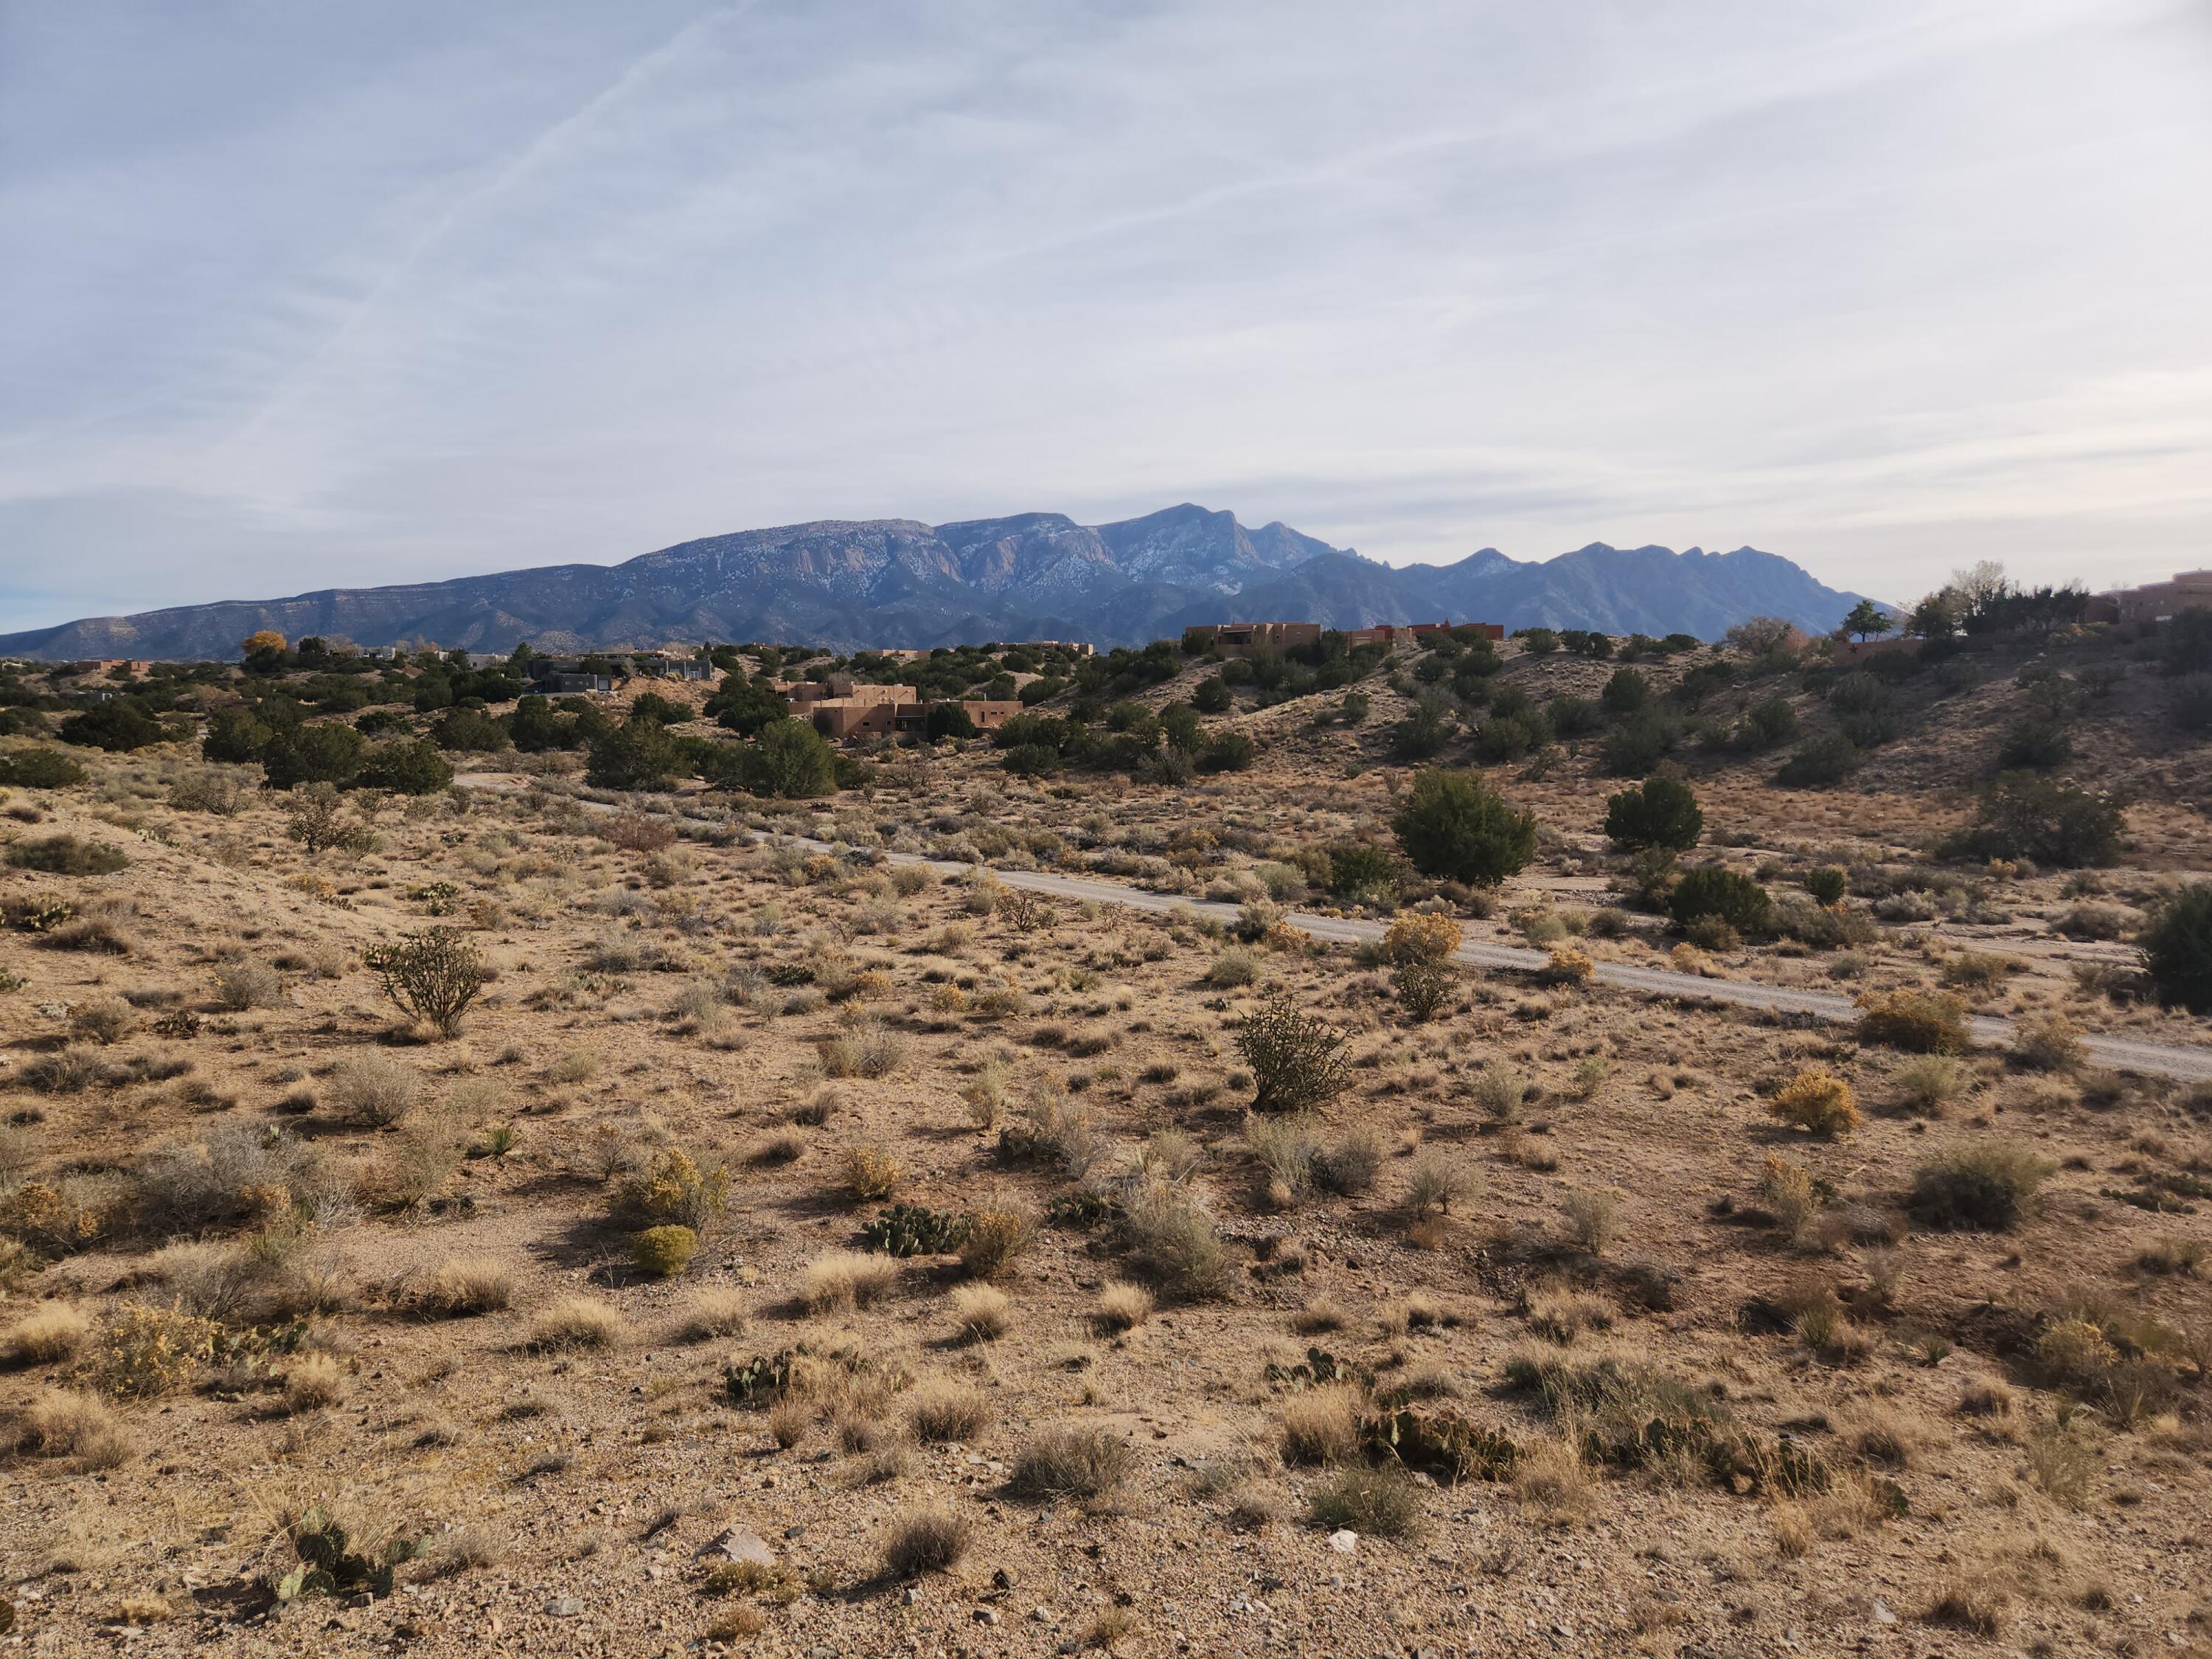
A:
[577,1321]
[982,1313]
[58,1422]
[842,1280]
[45,1335]
[943,1413]
[467,1285]
[1123,1306]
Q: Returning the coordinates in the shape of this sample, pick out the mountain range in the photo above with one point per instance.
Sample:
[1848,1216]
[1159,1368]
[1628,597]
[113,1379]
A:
[1036,575]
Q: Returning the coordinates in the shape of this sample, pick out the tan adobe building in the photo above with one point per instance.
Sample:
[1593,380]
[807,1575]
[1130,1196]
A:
[841,709]
[2190,590]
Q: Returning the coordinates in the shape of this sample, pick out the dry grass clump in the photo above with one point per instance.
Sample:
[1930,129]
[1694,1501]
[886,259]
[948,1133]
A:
[242,984]
[1437,1181]
[1123,1306]
[1593,1219]
[577,1321]
[1234,967]
[2048,1042]
[374,1089]
[996,1239]
[1921,1022]
[1818,1100]
[945,1412]
[779,1146]
[718,1310]
[314,1381]
[1381,1503]
[1171,1241]
[1350,1168]
[841,1280]
[932,1539]
[1552,1479]
[983,1312]
[873,1051]
[1982,1186]
[58,1422]
[467,1285]
[870,1172]
[1072,1461]
[1320,1425]
[1563,1315]
[54,1332]
[1932,1082]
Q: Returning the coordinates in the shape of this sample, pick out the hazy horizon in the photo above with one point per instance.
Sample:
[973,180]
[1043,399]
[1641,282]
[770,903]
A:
[305,298]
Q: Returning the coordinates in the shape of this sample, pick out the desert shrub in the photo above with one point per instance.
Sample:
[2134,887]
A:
[1297,1059]
[1734,898]
[1818,763]
[1635,748]
[103,1020]
[664,1251]
[1355,867]
[788,759]
[38,768]
[870,1172]
[1626,692]
[1818,1100]
[638,832]
[1593,1217]
[315,817]
[432,977]
[242,984]
[1423,986]
[670,1189]
[996,1239]
[1453,824]
[1233,966]
[1172,1241]
[231,1172]
[1982,1186]
[1661,812]
[2047,1042]
[870,1050]
[1419,936]
[411,767]
[207,791]
[1919,1022]
[1932,1081]
[1436,1181]
[2022,816]
[1574,717]
[117,726]
[143,1352]
[1382,1503]
[1350,1168]
[374,1089]
[1070,1461]
[2035,744]
[67,855]
[2177,947]
[1827,884]
[931,1539]
[1766,726]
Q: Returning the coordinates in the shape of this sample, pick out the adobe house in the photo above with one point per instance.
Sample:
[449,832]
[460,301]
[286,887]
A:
[2190,590]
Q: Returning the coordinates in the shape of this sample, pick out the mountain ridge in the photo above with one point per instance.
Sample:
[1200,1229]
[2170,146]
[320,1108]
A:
[848,583]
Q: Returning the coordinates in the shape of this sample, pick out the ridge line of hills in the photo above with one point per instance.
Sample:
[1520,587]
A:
[898,581]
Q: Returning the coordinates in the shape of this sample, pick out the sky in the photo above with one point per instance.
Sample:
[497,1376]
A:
[301,293]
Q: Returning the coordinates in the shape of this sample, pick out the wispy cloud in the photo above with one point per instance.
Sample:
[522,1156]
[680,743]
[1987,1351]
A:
[309,297]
